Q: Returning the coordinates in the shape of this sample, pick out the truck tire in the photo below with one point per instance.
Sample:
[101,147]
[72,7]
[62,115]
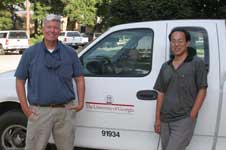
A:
[12,130]
[21,51]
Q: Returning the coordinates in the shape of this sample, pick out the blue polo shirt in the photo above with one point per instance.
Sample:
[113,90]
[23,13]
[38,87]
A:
[49,75]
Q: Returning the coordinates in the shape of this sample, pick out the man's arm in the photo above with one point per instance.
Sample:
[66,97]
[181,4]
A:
[20,89]
[198,103]
[80,85]
[158,110]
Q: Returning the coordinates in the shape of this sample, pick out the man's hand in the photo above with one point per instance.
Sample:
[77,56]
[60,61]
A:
[30,111]
[157,126]
[77,107]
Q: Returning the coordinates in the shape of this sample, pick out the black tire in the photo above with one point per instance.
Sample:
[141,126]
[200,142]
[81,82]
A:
[21,51]
[13,130]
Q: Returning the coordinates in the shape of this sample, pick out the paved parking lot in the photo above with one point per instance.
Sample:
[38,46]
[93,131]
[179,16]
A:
[9,62]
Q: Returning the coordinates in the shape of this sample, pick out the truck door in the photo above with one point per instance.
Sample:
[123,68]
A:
[120,70]
[204,41]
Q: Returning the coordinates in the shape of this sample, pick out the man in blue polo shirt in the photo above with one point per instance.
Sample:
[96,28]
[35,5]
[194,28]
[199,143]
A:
[181,86]
[49,67]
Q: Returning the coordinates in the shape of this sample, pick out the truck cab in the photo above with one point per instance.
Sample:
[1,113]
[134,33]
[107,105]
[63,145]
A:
[120,100]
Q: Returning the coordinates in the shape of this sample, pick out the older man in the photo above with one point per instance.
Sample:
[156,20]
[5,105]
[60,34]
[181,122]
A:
[49,67]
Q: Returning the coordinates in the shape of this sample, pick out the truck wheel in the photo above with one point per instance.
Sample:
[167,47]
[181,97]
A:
[21,51]
[12,130]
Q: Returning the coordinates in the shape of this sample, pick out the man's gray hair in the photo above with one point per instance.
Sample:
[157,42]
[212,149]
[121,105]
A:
[52,17]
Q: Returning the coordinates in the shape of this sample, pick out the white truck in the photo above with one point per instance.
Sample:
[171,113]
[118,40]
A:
[73,38]
[70,38]
[13,40]
[120,70]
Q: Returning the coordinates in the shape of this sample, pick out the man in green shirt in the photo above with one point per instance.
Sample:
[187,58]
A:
[181,86]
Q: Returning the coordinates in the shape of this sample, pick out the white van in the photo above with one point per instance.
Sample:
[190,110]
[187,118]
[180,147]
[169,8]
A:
[120,68]
[13,40]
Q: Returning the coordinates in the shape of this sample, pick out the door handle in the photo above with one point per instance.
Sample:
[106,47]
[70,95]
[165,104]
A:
[147,95]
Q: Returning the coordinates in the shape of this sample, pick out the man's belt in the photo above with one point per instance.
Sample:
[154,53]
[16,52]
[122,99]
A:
[51,105]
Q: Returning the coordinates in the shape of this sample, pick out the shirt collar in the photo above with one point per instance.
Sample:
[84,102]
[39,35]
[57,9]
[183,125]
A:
[57,49]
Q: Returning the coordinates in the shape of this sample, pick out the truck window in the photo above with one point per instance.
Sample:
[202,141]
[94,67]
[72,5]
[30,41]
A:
[126,53]
[72,34]
[199,42]
[17,35]
[3,35]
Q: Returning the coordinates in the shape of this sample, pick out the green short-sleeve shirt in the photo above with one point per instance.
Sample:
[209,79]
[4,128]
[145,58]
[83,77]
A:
[180,87]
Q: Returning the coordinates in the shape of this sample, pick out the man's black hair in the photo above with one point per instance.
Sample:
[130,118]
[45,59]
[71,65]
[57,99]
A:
[186,33]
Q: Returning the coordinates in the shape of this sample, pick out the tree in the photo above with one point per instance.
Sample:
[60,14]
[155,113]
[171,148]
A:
[121,11]
[7,13]
[82,11]
[40,11]
[103,12]
[5,20]
[54,6]
[41,8]
[143,10]
[209,9]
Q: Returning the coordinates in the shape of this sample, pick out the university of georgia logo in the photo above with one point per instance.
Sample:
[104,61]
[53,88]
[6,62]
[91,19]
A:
[109,99]
[108,105]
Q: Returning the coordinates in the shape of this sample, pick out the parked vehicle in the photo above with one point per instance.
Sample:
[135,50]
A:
[84,39]
[13,40]
[120,69]
[96,35]
[71,38]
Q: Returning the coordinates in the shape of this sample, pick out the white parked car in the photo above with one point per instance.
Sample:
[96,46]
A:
[71,38]
[13,40]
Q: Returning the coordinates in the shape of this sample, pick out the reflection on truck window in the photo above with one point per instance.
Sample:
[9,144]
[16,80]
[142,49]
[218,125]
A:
[124,53]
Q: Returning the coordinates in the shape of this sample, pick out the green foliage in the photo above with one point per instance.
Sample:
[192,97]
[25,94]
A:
[36,39]
[7,11]
[83,11]
[41,8]
[5,21]
[10,5]
[54,6]
[143,10]
[40,11]
[113,12]
[121,11]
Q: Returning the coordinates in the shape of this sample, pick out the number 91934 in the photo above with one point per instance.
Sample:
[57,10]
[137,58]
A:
[110,133]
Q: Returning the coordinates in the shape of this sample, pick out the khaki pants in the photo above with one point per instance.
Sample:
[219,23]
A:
[177,135]
[58,121]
